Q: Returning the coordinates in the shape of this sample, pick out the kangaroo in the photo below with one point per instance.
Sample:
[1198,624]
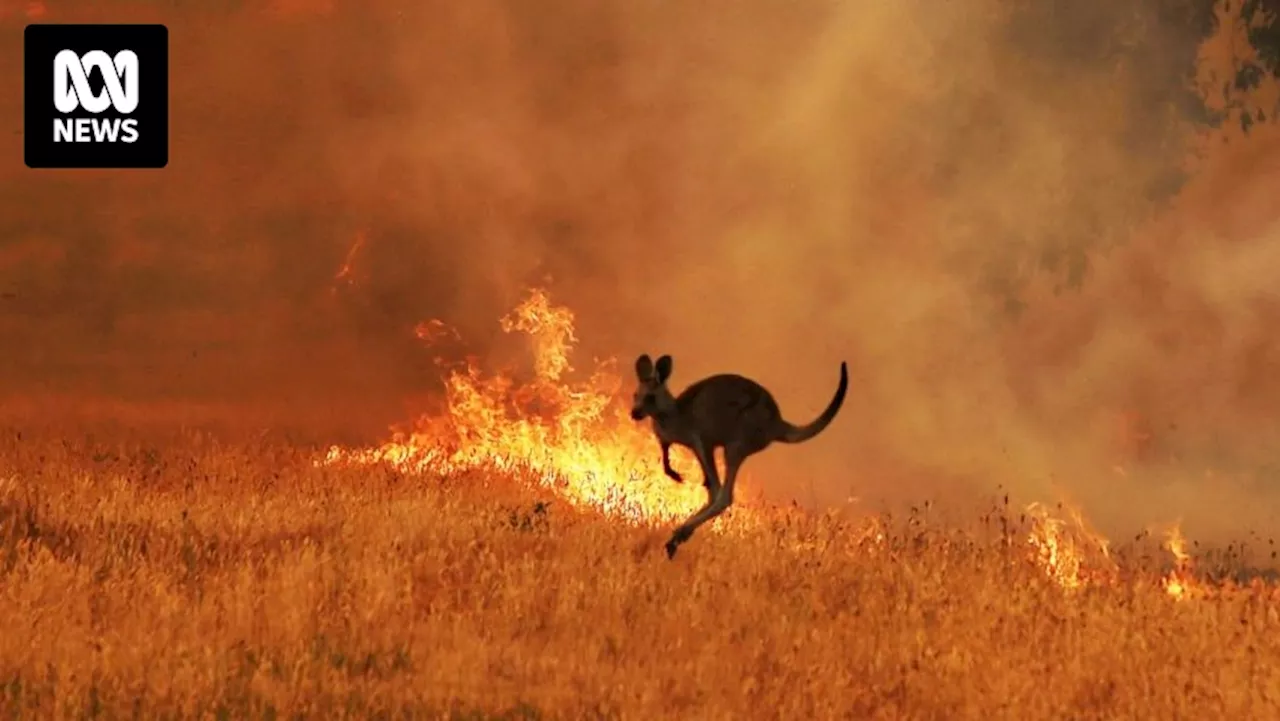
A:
[726,411]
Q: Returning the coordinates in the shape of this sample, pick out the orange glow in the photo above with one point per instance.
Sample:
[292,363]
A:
[1068,551]
[346,274]
[571,433]
[1180,582]
[573,436]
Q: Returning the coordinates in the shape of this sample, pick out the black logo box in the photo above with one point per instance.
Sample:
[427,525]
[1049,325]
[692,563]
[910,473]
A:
[151,44]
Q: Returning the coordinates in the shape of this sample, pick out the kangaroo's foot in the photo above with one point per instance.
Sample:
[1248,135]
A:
[678,537]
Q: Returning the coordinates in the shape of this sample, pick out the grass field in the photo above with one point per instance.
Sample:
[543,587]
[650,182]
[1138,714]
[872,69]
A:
[178,575]
[502,558]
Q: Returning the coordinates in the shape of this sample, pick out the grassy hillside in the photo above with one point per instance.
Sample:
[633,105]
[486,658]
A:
[170,574]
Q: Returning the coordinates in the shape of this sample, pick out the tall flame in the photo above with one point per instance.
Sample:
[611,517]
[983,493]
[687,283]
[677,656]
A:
[1180,582]
[1069,552]
[567,434]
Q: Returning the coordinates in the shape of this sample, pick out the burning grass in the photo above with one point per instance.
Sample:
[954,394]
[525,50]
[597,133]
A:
[195,577]
[500,557]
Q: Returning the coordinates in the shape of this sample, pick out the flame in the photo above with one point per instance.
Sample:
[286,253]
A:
[1069,552]
[434,332]
[569,435]
[1180,582]
[345,275]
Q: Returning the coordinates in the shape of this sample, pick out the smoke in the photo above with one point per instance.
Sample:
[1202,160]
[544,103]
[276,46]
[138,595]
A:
[971,203]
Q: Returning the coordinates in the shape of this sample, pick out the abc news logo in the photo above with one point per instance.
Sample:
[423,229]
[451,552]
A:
[97,96]
[71,92]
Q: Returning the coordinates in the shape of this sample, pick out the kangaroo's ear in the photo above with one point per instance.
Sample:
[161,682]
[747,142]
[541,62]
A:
[664,368]
[644,367]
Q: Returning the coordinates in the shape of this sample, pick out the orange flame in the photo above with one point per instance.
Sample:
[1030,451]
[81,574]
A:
[568,435]
[1070,553]
[345,274]
[1180,582]
[433,332]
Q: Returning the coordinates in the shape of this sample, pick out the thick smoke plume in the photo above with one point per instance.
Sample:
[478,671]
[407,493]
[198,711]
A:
[986,207]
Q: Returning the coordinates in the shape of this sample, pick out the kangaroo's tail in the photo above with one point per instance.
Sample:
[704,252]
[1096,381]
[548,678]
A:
[800,434]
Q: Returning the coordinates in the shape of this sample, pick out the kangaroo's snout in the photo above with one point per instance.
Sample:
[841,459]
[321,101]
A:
[637,414]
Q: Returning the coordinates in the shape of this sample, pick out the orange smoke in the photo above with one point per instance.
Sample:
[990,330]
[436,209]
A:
[574,436]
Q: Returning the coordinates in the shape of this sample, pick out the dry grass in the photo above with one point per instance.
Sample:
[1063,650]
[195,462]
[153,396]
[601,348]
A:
[197,578]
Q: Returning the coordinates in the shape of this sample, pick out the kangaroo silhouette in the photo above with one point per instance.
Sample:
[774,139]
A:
[725,411]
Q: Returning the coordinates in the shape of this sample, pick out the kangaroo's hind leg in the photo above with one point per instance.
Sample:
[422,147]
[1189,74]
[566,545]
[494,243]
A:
[717,503]
[710,481]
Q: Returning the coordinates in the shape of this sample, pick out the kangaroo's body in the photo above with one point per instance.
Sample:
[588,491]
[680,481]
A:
[722,411]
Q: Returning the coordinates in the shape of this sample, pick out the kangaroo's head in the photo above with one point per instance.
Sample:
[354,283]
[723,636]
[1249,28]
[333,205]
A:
[652,398]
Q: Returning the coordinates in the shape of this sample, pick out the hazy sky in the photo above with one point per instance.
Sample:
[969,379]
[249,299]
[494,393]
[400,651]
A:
[765,187]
